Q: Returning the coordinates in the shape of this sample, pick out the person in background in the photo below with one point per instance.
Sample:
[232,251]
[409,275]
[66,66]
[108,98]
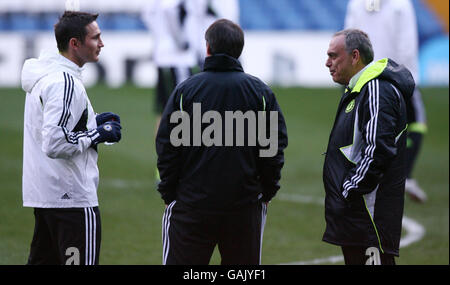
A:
[169,24]
[204,13]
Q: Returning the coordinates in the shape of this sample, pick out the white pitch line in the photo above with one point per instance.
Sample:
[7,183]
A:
[300,199]
[124,184]
[414,230]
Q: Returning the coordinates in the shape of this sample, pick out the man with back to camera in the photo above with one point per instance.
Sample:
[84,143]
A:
[365,166]
[61,134]
[216,194]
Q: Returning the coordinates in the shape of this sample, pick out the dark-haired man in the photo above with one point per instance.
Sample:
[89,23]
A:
[215,189]
[365,166]
[61,134]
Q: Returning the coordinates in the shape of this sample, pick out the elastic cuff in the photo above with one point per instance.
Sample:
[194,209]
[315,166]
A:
[345,194]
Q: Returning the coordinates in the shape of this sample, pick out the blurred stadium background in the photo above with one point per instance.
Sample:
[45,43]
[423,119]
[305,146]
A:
[286,43]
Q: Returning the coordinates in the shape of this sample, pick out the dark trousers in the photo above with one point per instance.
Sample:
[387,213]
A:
[66,236]
[189,236]
[168,79]
[357,255]
[412,151]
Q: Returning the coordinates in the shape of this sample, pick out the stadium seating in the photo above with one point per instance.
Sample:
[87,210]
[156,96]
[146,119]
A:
[310,15]
[254,15]
[428,24]
[24,21]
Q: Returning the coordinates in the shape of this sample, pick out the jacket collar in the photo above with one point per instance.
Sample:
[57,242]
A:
[356,77]
[71,67]
[222,62]
[371,71]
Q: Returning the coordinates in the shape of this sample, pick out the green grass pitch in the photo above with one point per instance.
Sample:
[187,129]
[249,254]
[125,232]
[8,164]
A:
[131,209]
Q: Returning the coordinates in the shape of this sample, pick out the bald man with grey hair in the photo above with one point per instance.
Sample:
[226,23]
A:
[365,165]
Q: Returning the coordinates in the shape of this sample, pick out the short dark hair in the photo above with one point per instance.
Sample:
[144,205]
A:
[224,36]
[72,25]
[357,39]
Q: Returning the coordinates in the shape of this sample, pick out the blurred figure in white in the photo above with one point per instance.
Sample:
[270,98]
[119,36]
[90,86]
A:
[172,54]
[169,24]
[392,29]
[178,29]
[201,17]
[203,14]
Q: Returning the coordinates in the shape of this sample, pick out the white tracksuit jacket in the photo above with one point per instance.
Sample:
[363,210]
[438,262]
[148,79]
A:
[59,166]
[392,29]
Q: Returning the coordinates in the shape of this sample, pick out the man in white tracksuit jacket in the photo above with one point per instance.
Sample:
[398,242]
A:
[61,133]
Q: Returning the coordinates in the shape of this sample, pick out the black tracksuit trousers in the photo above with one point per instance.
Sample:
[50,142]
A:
[190,236]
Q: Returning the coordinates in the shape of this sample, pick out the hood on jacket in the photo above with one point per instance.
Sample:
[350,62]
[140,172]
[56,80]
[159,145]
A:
[34,69]
[391,71]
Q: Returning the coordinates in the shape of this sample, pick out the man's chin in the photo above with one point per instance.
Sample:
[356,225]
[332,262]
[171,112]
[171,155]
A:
[339,81]
[95,59]
[336,80]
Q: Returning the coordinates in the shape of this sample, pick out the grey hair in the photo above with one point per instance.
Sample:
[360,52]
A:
[357,39]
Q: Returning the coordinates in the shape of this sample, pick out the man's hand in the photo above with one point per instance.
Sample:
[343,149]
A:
[106,117]
[107,132]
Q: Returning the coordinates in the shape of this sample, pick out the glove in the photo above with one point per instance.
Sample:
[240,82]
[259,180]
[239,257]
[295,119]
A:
[105,117]
[108,132]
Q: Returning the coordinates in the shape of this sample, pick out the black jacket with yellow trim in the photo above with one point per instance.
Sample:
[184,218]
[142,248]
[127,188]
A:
[365,168]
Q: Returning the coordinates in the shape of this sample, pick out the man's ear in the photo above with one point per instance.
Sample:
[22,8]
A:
[208,50]
[356,57]
[74,43]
